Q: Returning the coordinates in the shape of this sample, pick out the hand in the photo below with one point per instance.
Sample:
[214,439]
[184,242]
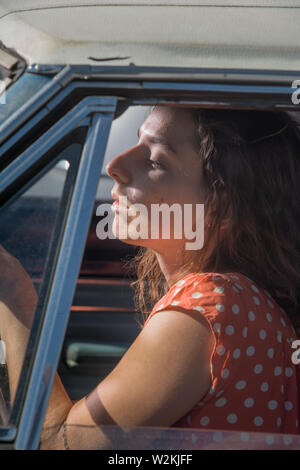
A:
[17,291]
[18,300]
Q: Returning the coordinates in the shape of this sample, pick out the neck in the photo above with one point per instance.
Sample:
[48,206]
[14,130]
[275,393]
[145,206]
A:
[172,261]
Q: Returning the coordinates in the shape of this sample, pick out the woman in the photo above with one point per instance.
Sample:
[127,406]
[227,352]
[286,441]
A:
[216,350]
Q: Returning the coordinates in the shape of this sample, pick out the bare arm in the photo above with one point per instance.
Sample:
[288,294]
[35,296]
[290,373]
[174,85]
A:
[18,300]
[161,377]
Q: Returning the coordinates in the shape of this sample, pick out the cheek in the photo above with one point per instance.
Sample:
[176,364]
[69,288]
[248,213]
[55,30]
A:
[179,194]
[149,194]
[169,188]
[190,190]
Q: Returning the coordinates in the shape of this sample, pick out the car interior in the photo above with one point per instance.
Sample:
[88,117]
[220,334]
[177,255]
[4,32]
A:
[60,58]
[103,321]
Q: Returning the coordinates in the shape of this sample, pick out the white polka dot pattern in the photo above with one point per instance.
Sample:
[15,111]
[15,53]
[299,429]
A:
[220,350]
[204,421]
[232,418]
[251,316]
[251,358]
[235,309]
[262,334]
[258,368]
[245,437]
[240,385]
[196,295]
[258,421]
[269,317]
[270,439]
[250,351]
[199,309]
[219,290]
[288,371]
[249,402]
[236,353]
[221,402]
[272,405]
[229,330]
[225,373]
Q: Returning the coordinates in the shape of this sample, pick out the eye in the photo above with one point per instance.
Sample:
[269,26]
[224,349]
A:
[155,165]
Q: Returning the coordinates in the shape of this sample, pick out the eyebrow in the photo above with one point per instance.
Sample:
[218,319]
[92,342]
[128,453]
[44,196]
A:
[157,140]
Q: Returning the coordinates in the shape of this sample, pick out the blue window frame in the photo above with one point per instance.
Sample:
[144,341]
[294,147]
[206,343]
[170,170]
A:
[20,92]
[57,289]
[90,97]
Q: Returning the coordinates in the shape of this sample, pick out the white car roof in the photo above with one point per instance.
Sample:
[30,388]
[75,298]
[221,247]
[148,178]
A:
[247,34]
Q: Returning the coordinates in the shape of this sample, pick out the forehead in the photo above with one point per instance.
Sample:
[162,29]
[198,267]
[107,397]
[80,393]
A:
[175,124]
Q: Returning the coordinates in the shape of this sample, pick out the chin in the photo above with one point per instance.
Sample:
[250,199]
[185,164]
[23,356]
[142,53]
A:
[123,233]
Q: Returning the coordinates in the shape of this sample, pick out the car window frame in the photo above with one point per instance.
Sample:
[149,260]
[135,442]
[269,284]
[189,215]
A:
[101,94]
[96,114]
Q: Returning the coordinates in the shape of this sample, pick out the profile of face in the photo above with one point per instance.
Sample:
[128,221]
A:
[162,170]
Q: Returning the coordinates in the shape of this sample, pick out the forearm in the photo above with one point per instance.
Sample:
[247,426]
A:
[15,335]
[18,301]
[71,426]
[58,409]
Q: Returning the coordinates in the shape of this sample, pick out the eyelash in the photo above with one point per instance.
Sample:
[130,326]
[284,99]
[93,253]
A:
[155,165]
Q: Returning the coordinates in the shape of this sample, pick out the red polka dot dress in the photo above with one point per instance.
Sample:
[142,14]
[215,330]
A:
[254,380]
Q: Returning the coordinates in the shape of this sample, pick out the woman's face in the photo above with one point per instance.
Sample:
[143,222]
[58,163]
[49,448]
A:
[162,168]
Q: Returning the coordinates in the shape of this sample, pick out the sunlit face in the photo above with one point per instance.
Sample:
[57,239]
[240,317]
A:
[163,167]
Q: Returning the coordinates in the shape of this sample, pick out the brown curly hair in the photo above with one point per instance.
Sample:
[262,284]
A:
[251,167]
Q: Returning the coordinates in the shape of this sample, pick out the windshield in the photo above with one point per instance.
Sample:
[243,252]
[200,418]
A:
[20,92]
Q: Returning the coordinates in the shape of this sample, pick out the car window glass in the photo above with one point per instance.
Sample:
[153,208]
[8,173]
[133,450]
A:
[27,230]
[123,135]
[21,91]
[168,439]
[103,321]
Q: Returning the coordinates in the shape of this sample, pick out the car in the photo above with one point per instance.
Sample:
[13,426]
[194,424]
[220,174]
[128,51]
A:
[77,80]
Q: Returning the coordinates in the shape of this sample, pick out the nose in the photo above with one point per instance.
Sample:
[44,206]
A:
[119,168]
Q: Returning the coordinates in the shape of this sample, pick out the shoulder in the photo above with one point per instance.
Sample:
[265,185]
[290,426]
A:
[203,292]
[224,298]
[213,282]
[220,298]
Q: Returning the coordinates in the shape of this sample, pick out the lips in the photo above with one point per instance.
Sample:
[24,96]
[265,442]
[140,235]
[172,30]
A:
[116,195]
[119,205]
[115,206]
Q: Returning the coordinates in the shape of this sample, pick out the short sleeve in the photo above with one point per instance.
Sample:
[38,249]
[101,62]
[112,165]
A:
[219,298]
[253,379]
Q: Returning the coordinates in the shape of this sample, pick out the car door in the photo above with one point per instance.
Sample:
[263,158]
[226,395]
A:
[39,217]
[103,321]
[51,152]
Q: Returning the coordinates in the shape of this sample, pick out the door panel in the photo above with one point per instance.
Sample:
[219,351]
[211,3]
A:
[102,325]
